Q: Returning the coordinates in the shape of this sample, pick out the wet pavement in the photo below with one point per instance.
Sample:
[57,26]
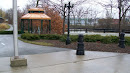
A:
[7,50]
[68,62]
[96,33]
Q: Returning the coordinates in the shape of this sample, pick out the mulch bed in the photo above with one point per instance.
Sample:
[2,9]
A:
[90,46]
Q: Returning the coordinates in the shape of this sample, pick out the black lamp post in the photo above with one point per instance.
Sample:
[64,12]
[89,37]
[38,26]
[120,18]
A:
[68,40]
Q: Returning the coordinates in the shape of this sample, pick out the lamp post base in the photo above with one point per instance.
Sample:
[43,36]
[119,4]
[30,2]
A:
[68,40]
[80,52]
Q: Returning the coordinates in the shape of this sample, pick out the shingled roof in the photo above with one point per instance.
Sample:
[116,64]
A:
[36,13]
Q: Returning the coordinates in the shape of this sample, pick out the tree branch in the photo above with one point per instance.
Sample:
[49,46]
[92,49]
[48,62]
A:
[125,11]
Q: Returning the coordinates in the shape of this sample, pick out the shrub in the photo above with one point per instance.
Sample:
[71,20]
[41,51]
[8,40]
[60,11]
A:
[127,39]
[8,32]
[110,39]
[103,39]
[106,40]
[92,38]
[28,36]
[74,38]
[114,39]
[50,36]
[24,36]
[63,38]
[35,37]
[42,36]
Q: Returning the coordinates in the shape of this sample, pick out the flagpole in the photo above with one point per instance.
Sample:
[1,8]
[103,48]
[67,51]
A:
[15,29]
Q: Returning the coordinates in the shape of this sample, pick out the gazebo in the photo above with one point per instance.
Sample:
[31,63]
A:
[35,15]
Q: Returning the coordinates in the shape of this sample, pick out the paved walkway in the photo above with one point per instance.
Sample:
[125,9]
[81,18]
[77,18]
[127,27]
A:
[68,62]
[96,33]
[7,50]
[11,28]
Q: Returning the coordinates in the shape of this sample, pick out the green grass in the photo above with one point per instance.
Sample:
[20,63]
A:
[36,43]
[127,39]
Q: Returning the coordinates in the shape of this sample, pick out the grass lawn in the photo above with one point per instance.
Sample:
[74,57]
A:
[4,26]
[36,43]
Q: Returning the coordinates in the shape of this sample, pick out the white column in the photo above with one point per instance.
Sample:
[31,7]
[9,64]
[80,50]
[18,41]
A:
[15,31]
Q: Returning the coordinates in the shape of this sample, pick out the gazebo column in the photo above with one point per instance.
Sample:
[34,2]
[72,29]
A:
[31,26]
[49,26]
[41,26]
[23,25]
[28,26]
[47,30]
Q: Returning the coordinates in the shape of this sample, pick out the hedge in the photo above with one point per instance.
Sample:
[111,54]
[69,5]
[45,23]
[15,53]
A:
[92,38]
[109,39]
[74,38]
[50,36]
[127,39]
[28,36]
[8,32]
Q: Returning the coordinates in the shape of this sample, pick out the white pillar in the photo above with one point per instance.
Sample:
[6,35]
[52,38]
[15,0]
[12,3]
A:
[15,31]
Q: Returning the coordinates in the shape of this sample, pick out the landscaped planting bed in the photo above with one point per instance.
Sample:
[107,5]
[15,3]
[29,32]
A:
[91,42]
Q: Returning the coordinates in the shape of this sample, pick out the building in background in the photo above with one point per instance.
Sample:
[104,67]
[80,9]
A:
[83,21]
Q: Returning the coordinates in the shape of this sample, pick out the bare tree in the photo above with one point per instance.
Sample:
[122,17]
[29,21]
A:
[60,7]
[95,14]
[79,14]
[111,5]
[2,13]
[9,16]
[123,6]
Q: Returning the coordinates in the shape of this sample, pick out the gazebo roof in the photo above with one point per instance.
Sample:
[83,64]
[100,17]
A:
[36,9]
[36,15]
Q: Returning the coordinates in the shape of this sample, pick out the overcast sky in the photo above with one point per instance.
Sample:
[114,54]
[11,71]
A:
[6,4]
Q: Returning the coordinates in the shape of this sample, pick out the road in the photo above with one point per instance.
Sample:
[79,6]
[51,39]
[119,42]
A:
[7,50]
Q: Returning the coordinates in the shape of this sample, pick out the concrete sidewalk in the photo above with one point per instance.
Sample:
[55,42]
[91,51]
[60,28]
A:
[68,62]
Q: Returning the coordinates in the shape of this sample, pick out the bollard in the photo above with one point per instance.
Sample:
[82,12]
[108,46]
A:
[80,46]
[86,30]
[122,40]
[104,30]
